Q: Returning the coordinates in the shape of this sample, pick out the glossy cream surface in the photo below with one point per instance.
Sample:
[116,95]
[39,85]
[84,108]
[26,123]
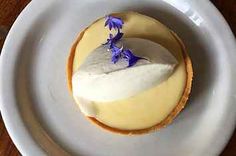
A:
[101,80]
[150,106]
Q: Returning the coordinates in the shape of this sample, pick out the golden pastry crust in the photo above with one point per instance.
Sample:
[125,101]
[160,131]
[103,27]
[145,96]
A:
[163,123]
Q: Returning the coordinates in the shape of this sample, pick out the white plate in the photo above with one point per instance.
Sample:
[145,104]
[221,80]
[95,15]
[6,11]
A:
[42,118]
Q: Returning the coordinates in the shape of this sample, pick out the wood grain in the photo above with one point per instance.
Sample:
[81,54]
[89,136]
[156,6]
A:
[10,9]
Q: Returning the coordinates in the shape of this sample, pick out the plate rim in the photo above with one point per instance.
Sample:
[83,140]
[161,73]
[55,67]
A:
[30,145]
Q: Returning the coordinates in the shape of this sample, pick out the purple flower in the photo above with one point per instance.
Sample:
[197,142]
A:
[113,39]
[115,53]
[114,22]
[130,57]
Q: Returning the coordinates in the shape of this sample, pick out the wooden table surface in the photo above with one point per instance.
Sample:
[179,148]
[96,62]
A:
[10,9]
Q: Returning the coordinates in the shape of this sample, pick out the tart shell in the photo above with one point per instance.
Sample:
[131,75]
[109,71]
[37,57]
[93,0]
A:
[181,104]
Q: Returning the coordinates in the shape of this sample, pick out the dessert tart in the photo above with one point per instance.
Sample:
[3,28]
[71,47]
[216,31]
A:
[129,73]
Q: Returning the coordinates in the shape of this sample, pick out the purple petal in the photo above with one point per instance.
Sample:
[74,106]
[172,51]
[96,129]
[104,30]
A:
[118,22]
[118,37]
[116,53]
[113,40]
[114,58]
[130,57]
[110,26]
[116,50]
[114,22]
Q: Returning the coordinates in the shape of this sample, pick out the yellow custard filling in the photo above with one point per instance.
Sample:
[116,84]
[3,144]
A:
[150,106]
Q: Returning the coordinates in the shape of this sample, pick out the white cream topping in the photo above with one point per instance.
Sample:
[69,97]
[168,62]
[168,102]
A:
[99,80]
